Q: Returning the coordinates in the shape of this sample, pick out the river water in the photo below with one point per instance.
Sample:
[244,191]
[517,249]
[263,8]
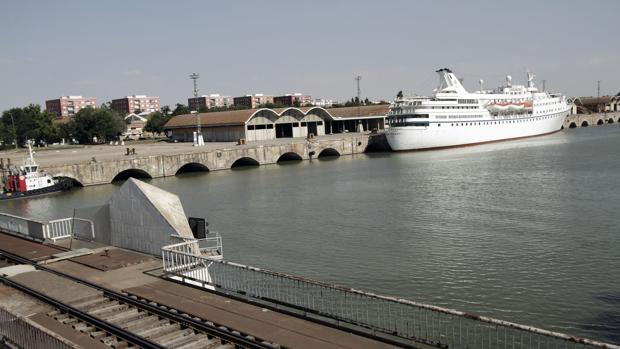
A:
[525,231]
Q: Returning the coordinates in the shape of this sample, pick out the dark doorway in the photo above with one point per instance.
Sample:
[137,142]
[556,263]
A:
[312,128]
[284,130]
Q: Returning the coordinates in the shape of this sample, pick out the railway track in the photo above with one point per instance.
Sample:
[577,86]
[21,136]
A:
[120,320]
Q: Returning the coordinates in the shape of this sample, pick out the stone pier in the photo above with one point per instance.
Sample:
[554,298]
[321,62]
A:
[584,120]
[102,168]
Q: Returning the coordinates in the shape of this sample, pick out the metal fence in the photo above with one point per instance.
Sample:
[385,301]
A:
[25,334]
[50,230]
[67,227]
[399,318]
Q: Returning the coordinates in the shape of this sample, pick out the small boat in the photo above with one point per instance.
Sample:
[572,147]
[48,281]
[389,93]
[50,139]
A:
[28,180]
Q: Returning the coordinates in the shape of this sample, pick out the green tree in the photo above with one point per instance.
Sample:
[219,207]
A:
[156,122]
[28,123]
[399,94]
[203,109]
[103,123]
[165,110]
[366,101]
[180,109]
[45,128]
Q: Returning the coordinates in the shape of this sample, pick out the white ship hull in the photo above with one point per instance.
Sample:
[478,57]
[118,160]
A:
[443,134]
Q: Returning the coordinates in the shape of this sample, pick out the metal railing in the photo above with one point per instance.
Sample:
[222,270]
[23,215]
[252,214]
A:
[26,334]
[51,230]
[403,319]
[66,227]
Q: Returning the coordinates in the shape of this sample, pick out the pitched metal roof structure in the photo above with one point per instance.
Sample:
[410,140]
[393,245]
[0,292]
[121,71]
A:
[241,117]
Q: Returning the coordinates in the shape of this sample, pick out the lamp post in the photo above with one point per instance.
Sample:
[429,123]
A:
[14,132]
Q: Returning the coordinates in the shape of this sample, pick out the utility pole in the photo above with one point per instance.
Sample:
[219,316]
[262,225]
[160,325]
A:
[544,85]
[598,88]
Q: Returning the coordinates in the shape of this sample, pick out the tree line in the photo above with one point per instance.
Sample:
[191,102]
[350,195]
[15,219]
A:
[19,125]
[95,125]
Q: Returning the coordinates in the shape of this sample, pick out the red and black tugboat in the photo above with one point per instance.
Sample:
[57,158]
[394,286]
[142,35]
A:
[29,180]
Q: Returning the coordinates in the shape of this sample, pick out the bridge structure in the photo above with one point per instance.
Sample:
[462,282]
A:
[585,120]
[94,171]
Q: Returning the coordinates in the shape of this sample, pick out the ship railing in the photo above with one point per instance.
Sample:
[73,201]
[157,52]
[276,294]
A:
[21,332]
[394,319]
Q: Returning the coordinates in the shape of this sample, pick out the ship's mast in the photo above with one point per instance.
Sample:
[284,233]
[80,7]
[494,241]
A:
[30,153]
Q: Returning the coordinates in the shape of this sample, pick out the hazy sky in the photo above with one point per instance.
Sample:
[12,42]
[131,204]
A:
[109,49]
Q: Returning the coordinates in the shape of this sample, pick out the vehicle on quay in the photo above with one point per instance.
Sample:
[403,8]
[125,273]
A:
[452,116]
[29,180]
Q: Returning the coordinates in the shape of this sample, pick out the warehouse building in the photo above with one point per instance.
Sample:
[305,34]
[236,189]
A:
[266,124]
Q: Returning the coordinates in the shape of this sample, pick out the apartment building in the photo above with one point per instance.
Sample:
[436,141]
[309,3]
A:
[252,101]
[140,103]
[209,101]
[67,106]
[293,99]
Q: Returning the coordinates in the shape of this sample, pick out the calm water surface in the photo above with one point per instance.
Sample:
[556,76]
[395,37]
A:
[526,231]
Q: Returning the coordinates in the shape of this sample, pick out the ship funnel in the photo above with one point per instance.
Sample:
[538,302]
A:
[448,82]
[509,80]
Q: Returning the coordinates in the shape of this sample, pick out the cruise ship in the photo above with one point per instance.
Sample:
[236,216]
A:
[454,117]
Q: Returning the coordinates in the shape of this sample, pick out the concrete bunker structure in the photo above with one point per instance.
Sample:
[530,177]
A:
[138,217]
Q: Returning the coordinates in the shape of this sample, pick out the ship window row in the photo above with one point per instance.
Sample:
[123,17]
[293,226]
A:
[409,123]
[459,107]
[468,101]
[465,116]
[518,121]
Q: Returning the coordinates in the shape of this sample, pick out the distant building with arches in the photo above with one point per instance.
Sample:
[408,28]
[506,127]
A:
[267,124]
[589,105]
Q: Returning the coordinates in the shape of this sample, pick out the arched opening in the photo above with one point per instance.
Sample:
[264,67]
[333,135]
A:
[610,121]
[289,157]
[72,181]
[328,152]
[572,125]
[192,167]
[133,173]
[244,163]
[584,124]
[600,122]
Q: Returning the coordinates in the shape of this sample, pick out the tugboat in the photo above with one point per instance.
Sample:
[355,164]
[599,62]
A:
[28,180]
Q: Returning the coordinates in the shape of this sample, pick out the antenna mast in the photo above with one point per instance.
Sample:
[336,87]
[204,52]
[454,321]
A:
[359,92]
[195,77]
[198,138]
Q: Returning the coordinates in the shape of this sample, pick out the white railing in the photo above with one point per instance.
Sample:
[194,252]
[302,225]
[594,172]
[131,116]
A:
[67,227]
[210,247]
[406,320]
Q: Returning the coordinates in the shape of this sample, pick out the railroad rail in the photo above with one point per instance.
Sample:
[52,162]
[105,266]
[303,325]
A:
[120,320]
